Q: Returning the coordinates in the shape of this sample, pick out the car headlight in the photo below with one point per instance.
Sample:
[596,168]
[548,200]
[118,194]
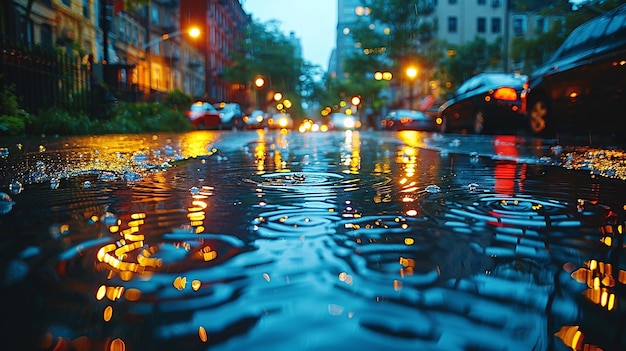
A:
[349,122]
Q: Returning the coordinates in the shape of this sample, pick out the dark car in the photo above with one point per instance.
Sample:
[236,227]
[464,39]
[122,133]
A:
[486,103]
[203,115]
[232,115]
[582,87]
[410,120]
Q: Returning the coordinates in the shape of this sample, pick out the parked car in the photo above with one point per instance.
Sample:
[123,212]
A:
[280,121]
[486,103]
[582,87]
[410,120]
[231,115]
[203,115]
[257,119]
[342,121]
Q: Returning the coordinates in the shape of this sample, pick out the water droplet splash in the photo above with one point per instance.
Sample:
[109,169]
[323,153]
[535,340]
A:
[16,187]
[6,203]
[433,189]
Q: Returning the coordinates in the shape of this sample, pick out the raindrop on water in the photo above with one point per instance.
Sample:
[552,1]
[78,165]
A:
[472,186]
[6,203]
[433,189]
[87,184]
[194,190]
[474,156]
[16,187]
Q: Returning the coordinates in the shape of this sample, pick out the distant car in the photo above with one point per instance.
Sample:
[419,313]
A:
[342,121]
[203,115]
[257,119]
[410,120]
[582,87]
[486,103]
[231,115]
[280,121]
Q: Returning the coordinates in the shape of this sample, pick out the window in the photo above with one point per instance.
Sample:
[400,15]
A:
[496,25]
[540,24]
[481,25]
[86,9]
[452,24]
[46,35]
[519,25]
[154,15]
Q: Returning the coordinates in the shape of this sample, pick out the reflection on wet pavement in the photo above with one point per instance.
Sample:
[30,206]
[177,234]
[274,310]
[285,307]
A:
[315,241]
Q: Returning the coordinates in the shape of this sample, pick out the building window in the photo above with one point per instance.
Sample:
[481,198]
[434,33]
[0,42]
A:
[541,25]
[452,24]
[154,15]
[46,35]
[481,25]
[496,25]
[519,25]
[86,10]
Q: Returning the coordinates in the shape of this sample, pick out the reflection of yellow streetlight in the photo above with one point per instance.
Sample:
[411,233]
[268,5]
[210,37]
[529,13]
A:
[278,96]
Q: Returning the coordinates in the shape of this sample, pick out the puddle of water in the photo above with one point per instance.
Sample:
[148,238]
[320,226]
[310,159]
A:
[230,241]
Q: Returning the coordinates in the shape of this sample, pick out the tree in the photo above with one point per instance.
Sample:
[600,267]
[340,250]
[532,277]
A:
[537,50]
[472,58]
[265,51]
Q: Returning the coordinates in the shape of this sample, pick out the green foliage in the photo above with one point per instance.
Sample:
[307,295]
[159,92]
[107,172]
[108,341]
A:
[13,119]
[472,58]
[145,117]
[178,100]
[127,118]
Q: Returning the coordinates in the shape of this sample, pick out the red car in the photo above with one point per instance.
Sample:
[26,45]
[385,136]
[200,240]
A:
[204,116]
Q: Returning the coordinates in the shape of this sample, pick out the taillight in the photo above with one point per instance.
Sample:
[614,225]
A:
[505,93]
[405,120]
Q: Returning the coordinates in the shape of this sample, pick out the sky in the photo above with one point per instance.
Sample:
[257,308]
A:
[313,21]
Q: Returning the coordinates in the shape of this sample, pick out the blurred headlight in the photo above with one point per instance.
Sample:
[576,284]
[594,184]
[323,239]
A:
[349,122]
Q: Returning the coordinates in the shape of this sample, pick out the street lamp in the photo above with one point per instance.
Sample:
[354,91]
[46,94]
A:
[193,32]
[259,83]
[411,72]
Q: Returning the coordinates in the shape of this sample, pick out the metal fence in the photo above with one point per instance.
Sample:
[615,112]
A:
[43,78]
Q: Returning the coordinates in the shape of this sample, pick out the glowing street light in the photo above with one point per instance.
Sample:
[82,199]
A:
[193,32]
[411,72]
[259,83]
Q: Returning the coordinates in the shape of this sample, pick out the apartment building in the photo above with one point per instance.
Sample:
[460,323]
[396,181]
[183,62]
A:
[456,22]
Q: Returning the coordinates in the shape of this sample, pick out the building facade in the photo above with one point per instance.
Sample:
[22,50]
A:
[140,53]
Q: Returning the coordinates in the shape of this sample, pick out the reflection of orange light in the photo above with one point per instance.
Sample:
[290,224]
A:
[505,171]
[202,334]
[118,345]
